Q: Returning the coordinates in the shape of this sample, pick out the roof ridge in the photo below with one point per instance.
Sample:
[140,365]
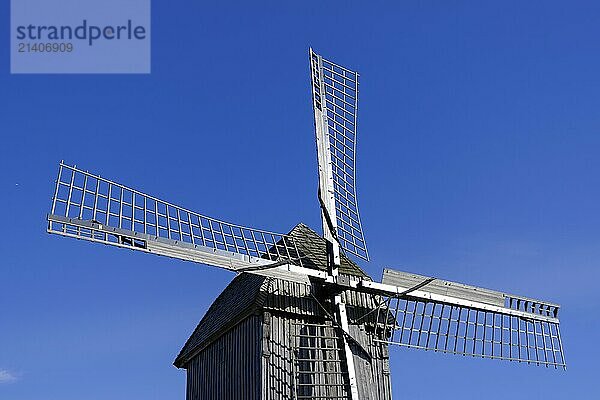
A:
[310,243]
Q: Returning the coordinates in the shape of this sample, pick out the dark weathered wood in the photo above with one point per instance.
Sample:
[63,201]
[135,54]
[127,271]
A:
[249,346]
[229,368]
[283,307]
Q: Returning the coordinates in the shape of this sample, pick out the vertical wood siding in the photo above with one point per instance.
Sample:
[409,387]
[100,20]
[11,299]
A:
[255,358]
[229,368]
[373,376]
[278,369]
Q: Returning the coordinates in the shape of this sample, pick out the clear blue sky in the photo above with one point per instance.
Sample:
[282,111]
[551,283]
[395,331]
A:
[479,133]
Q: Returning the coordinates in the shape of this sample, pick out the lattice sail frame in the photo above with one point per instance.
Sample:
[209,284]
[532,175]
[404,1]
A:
[472,323]
[417,311]
[335,103]
[319,365]
[89,207]
[456,319]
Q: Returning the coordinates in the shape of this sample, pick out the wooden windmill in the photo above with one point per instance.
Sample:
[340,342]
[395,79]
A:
[301,320]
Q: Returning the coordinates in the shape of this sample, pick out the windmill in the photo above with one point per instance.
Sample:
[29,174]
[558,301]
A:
[302,320]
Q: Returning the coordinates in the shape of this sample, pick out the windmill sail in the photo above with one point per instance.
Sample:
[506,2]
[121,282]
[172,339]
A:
[332,332]
[417,311]
[89,207]
[335,104]
[449,317]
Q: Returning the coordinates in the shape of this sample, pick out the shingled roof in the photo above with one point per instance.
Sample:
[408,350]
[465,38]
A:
[314,251]
[247,292]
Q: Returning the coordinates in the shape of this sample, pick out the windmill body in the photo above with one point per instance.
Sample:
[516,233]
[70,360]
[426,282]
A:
[301,320]
[269,338]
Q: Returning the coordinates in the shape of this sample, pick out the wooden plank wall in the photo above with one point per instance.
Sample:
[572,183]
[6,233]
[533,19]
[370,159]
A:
[229,368]
[373,375]
[254,359]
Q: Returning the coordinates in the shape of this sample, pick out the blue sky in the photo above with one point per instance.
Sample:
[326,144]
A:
[478,139]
